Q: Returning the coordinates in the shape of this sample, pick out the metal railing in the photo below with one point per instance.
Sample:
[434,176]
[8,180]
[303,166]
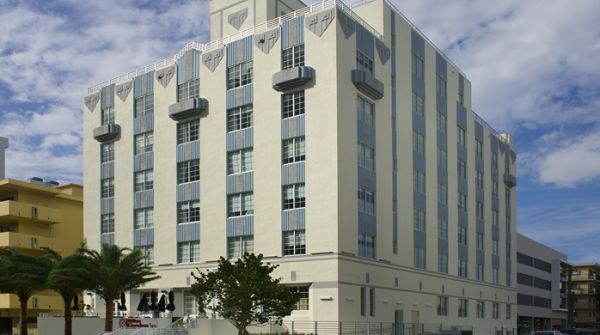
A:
[219,43]
[359,328]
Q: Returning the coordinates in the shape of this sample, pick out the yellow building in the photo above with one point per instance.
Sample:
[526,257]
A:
[33,215]
[585,284]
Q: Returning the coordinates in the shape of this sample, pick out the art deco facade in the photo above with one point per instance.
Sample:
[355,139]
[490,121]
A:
[340,143]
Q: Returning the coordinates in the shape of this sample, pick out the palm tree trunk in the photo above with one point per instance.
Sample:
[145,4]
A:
[68,317]
[23,306]
[110,307]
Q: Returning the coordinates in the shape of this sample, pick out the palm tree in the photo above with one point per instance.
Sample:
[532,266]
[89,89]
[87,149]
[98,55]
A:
[117,270]
[22,275]
[69,276]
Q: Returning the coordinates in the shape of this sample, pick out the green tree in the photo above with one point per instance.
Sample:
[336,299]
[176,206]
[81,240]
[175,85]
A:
[117,270]
[69,276]
[22,275]
[244,292]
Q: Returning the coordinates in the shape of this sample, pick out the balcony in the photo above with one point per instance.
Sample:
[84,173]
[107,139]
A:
[290,78]
[12,211]
[188,108]
[510,180]
[367,84]
[107,132]
[27,242]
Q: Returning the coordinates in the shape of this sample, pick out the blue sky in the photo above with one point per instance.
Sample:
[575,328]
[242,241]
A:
[534,66]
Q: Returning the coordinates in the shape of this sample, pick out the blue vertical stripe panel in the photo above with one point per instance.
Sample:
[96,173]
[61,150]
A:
[189,58]
[292,173]
[294,219]
[142,237]
[285,35]
[143,199]
[239,51]
[240,226]
[143,161]
[365,133]
[107,96]
[367,224]
[143,84]
[365,41]
[292,127]
[239,96]
[240,182]
[107,170]
[144,123]
[394,131]
[188,191]
[240,139]
[188,232]
[107,206]
[292,33]
[187,151]
[366,178]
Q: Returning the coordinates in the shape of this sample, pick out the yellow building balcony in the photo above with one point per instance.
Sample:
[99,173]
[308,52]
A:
[11,211]
[36,302]
[28,242]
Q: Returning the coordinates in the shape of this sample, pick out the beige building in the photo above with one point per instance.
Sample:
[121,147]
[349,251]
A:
[338,142]
[586,300]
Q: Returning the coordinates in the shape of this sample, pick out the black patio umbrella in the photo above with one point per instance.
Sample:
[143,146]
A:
[162,304]
[143,305]
[153,300]
[75,303]
[171,305]
[123,307]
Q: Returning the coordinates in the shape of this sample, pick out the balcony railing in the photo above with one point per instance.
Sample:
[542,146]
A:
[11,211]
[26,241]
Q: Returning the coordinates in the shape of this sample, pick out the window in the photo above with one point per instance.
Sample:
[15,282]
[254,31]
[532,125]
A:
[495,247]
[363,298]
[442,159]
[441,123]
[443,194]
[239,118]
[494,189]
[480,240]
[188,171]
[108,152]
[239,75]
[462,235]
[187,131]
[190,304]
[108,116]
[443,263]
[363,62]
[371,301]
[294,242]
[419,257]
[479,209]
[237,246]
[366,201]
[462,201]
[107,224]
[366,245]
[143,218]
[495,310]
[461,99]
[188,252]
[462,268]
[494,275]
[480,309]
[189,89]
[478,149]
[442,307]
[463,308]
[144,142]
[479,179]
[479,268]
[462,169]
[293,150]
[294,196]
[441,87]
[240,204]
[148,252]
[460,136]
[239,161]
[418,143]
[144,180]
[365,111]
[419,181]
[188,211]
[302,292]
[143,105]
[418,66]
[419,219]
[418,105]
[366,156]
[507,199]
[108,188]
[508,311]
[292,104]
[292,57]
[495,160]
[442,228]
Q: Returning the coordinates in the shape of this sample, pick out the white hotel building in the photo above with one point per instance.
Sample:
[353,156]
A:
[338,142]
